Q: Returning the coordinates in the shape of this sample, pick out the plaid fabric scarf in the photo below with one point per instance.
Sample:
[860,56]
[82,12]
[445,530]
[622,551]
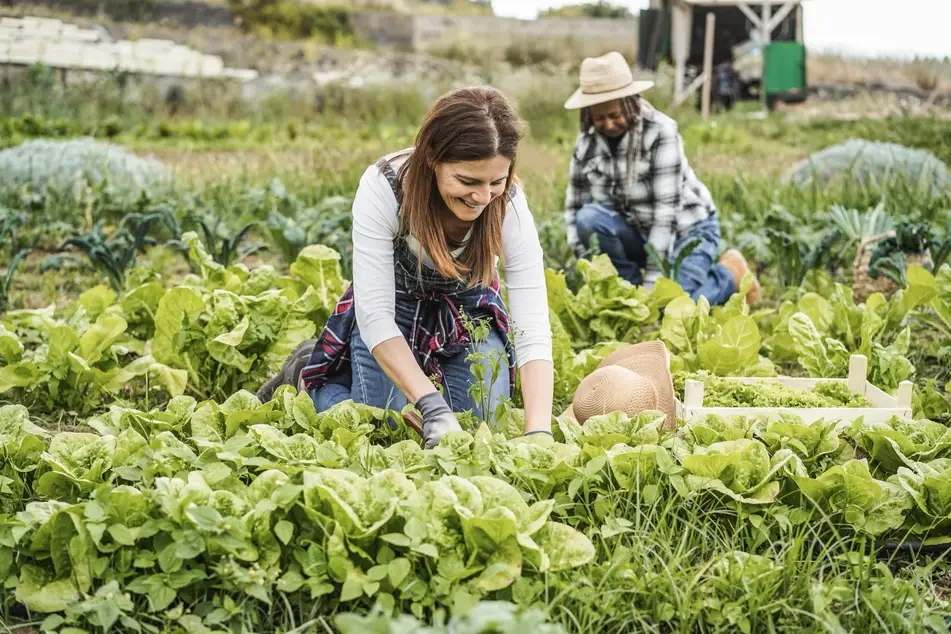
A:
[440,306]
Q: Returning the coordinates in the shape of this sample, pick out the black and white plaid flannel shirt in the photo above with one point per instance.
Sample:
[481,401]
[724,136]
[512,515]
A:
[662,199]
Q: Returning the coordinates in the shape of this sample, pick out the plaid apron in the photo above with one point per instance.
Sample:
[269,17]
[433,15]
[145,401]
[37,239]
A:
[440,306]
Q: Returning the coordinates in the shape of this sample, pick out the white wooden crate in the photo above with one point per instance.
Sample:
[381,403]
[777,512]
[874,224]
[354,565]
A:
[883,407]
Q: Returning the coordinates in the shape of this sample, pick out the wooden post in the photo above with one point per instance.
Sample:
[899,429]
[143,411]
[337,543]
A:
[681,20]
[906,390]
[858,373]
[708,65]
[780,16]
[799,36]
[693,393]
[753,18]
[767,38]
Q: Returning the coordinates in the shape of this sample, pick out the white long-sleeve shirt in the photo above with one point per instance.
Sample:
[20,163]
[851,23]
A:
[375,228]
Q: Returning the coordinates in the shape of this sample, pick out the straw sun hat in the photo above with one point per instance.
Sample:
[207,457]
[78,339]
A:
[632,379]
[604,79]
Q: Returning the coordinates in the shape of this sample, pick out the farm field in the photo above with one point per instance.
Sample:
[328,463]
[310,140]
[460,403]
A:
[160,266]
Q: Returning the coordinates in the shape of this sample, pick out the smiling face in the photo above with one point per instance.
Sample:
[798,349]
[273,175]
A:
[468,187]
[609,119]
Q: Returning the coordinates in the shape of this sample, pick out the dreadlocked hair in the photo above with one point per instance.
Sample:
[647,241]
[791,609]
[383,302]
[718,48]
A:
[631,109]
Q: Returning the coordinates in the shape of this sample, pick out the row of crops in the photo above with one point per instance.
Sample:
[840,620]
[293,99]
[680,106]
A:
[145,488]
[200,516]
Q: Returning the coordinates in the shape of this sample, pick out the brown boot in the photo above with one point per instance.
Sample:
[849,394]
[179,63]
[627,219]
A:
[734,261]
[290,372]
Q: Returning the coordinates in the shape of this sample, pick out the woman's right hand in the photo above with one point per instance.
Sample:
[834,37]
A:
[438,418]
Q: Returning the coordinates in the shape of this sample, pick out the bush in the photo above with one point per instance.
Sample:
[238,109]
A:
[600,9]
[294,20]
[62,165]
[871,162]
[529,53]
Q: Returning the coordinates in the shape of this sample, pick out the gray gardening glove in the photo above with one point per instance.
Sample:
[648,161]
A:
[438,419]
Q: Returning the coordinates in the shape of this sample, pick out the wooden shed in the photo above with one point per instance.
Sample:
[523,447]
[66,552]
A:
[736,20]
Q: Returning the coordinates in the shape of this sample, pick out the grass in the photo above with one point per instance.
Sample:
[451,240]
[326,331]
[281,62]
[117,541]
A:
[683,568]
[924,74]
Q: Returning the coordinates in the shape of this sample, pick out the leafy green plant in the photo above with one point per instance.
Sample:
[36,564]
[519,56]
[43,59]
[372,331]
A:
[486,368]
[229,328]
[81,364]
[867,161]
[44,164]
[223,247]
[671,270]
[889,257]
[795,256]
[115,254]
[328,223]
[821,331]
[741,470]
[850,492]
[6,282]
[606,307]
[724,341]
[9,223]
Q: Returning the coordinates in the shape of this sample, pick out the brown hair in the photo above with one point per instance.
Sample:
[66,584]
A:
[466,124]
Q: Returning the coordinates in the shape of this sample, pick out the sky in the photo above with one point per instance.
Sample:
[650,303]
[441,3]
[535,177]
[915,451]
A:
[869,28]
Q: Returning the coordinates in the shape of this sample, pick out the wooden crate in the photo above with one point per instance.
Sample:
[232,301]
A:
[883,407]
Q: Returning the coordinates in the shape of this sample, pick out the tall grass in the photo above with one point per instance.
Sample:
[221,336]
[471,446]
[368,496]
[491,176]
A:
[667,565]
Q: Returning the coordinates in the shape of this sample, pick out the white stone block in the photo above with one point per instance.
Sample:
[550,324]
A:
[169,68]
[26,52]
[153,45]
[99,60]
[91,55]
[241,74]
[212,66]
[125,48]
[11,23]
[62,55]
[48,29]
[80,36]
[39,22]
[191,65]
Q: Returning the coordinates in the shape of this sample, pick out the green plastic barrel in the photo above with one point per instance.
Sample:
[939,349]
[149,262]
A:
[784,71]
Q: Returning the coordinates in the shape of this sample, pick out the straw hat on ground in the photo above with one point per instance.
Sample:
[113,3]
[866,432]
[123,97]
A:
[604,79]
[632,379]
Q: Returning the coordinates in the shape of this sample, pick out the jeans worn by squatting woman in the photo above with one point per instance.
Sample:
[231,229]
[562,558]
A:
[701,274]
[371,386]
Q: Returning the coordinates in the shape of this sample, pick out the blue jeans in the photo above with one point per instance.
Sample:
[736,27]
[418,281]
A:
[619,240]
[700,274]
[371,386]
